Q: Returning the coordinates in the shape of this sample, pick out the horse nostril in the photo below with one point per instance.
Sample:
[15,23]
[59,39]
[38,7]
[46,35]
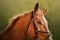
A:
[39,22]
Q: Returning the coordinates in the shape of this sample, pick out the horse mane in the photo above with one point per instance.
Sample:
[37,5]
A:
[13,20]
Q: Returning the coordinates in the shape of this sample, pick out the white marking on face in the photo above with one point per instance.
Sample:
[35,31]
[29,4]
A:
[40,13]
[45,21]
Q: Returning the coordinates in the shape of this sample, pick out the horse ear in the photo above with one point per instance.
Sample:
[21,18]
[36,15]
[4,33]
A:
[44,11]
[36,7]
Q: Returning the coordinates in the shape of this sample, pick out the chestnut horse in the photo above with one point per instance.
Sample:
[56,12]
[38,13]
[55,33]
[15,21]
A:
[29,26]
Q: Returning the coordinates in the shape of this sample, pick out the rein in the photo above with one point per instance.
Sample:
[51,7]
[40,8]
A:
[35,28]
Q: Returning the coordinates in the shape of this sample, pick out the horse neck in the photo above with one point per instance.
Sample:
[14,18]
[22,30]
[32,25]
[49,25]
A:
[19,26]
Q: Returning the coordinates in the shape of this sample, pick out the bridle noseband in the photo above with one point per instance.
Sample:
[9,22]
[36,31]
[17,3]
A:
[35,28]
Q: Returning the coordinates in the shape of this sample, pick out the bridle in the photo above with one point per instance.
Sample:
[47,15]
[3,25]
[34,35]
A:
[35,28]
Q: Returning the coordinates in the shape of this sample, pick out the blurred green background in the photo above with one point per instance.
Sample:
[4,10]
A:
[9,8]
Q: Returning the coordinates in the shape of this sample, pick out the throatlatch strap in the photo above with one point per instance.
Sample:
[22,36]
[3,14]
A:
[35,29]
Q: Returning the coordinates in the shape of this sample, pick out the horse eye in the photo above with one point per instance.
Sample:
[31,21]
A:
[39,22]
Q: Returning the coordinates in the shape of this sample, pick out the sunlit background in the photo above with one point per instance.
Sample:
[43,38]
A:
[9,8]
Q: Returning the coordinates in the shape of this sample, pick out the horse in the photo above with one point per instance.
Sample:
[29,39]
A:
[30,25]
